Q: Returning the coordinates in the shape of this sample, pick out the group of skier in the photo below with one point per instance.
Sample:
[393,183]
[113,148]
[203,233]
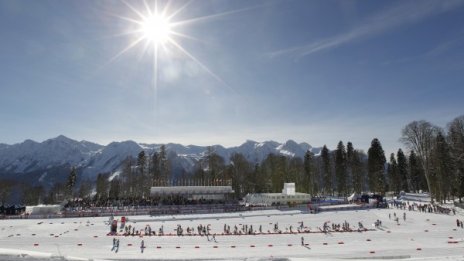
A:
[130,230]
[342,227]
[396,218]
[425,208]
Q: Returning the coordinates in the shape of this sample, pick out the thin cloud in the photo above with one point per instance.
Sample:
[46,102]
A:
[402,14]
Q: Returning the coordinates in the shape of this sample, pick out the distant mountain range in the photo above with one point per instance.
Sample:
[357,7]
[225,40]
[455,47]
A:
[49,161]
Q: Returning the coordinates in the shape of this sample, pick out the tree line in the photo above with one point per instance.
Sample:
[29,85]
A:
[434,163]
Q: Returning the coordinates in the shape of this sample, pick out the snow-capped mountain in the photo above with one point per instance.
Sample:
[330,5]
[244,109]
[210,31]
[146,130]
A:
[43,161]
[31,155]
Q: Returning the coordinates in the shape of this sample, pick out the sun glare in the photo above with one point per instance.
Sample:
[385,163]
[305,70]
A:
[156,29]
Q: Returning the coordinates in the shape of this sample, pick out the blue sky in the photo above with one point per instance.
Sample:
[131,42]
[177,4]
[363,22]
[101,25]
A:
[312,71]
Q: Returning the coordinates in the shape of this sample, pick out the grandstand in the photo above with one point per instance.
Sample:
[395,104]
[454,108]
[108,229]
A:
[193,192]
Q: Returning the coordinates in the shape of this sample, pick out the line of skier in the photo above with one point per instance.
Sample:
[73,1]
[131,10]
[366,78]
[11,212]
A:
[425,208]
[239,229]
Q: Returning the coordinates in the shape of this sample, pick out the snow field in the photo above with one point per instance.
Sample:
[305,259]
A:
[421,236]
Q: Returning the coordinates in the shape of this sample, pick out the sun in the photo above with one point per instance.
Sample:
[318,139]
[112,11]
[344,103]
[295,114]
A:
[156,29]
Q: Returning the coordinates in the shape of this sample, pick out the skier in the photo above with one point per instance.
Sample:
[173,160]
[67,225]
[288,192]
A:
[326,227]
[302,241]
[404,216]
[117,245]
[142,246]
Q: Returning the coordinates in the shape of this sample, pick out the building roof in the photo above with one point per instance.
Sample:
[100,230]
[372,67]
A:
[280,194]
[190,190]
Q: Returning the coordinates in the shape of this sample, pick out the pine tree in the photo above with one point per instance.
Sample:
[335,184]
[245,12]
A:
[456,140]
[164,164]
[141,163]
[310,173]
[349,166]
[71,183]
[340,168]
[376,167]
[442,168]
[403,171]
[358,172]
[326,170]
[392,171]
[142,178]
[155,170]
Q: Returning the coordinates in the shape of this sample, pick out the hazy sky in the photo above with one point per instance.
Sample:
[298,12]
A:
[312,71]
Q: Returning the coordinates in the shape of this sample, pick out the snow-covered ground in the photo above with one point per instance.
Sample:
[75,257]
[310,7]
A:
[421,236]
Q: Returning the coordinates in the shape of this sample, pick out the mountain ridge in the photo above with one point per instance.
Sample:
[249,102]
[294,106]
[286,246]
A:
[91,158]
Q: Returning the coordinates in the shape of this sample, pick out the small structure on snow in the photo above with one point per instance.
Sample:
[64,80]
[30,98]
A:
[288,196]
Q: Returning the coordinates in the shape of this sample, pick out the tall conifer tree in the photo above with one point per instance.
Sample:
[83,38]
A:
[326,170]
[358,172]
[403,171]
[310,180]
[442,168]
[349,166]
[71,183]
[376,167]
[340,168]
[392,170]
[456,140]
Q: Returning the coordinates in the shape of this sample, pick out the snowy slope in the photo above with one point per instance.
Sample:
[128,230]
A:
[110,157]
[422,236]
